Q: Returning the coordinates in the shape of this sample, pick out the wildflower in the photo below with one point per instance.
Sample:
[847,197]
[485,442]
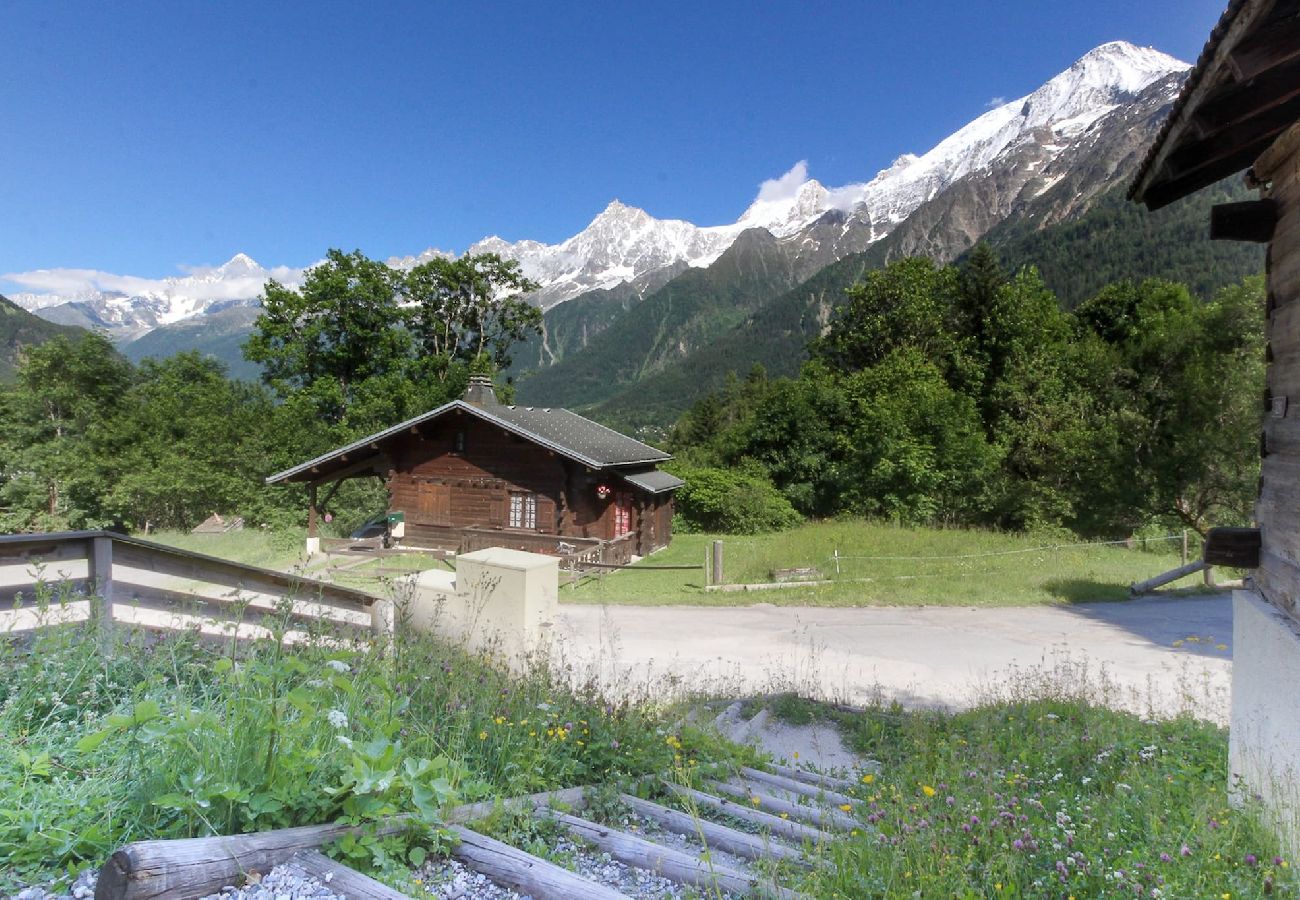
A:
[1277,860]
[868,778]
[337,718]
[1251,859]
[1184,850]
[1214,825]
[500,720]
[344,740]
[1165,857]
[927,790]
[482,735]
[846,807]
[614,743]
[1018,844]
[785,815]
[337,665]
[755,800]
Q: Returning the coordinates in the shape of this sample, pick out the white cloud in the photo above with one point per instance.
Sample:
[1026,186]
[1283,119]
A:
[786,187]
[995,102]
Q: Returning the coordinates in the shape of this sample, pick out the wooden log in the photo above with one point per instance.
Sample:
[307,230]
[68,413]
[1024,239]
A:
[1164,578]
[675,865]
[818,778]
[1234,547]
[341,879]
[1248,220]
[711,834]
[528,874]
[795,786]
[194,867]
[822,818]
[573,798]
[745,812]
[100,576]
[1286,145]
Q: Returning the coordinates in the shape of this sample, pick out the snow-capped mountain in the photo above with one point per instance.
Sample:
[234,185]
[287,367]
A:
[624,243]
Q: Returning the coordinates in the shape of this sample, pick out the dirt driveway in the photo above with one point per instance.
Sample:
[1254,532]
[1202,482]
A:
[1157,654]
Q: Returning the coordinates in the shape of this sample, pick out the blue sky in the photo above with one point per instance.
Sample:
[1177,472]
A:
[140,137]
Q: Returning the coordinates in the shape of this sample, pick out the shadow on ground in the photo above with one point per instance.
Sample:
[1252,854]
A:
[1193,621]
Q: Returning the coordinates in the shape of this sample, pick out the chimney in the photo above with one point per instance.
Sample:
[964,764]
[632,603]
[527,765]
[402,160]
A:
[480,391]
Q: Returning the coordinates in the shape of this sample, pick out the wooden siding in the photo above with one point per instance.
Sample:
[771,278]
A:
[1278,508]
[440,490]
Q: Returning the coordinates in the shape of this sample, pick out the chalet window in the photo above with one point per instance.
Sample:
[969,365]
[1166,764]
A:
[523,511]
[622,514]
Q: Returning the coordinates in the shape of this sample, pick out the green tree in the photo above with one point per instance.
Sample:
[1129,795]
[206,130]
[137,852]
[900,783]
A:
[332,334]
[463,309]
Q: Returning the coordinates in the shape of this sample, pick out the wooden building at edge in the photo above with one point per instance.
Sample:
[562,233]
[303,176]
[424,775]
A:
[1240,109]
[477,473]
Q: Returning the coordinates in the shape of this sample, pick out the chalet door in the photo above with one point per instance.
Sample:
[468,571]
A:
[432,504]
[622,514]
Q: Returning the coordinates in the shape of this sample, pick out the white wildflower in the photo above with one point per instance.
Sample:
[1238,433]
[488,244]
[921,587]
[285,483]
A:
[338,665]
[338,718]
[344,740]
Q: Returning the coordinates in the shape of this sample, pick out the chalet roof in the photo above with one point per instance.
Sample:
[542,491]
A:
[653,481]
[565,432]
[1242,93]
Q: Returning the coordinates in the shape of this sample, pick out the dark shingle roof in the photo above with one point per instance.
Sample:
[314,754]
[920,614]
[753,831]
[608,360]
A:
[653,481]
[565,432]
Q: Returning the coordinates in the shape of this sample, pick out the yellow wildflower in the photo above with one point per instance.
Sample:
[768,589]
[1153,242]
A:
[785,815]
[500,720]
[755,800]
[482,735]
[868,778]
[846,807]
[927,790]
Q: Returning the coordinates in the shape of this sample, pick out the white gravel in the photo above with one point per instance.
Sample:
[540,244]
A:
[286,881]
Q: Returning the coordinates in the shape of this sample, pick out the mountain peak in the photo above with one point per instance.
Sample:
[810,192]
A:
[240,264]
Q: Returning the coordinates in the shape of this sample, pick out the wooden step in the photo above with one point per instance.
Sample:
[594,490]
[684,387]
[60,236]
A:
[822,818]
[528,874]
[828,781]
[713,835]
[794,785]
[342,880]
[675,865]
[785,828]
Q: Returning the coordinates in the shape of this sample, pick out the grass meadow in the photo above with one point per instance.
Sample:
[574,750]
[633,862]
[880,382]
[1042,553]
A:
[885,565]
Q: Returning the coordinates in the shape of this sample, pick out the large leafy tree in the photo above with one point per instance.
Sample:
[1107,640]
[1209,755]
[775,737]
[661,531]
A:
[468,308]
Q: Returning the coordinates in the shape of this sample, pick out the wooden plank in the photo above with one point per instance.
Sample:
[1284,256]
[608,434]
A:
[711,834]
[99,574]
[794,785]
[1286,146]
[1234,547]
[20,549]
[1248,220]
[818,778]
[822,818]
[528,874]
[675,865]
[343,880]
[1270,46]
[786,828]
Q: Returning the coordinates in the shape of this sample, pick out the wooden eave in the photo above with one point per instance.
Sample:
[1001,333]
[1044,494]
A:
[1242,93]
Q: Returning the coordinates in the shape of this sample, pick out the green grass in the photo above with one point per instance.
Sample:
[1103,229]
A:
[1043,792]
[972,568]
[279,550]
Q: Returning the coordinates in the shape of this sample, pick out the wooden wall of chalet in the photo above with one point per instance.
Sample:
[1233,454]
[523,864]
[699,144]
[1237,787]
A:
[1278,507]
[441,490]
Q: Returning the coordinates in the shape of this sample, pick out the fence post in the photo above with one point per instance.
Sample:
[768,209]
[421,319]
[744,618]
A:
[383,622]
[1184,546]
[837,560]
[99,571]
[718,576]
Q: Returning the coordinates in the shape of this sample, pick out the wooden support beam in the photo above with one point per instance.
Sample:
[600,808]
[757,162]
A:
[711,834]
[1269,47]
[528,874]
[1237,548]
[822,818]
[1164,578]
[675,865]
[311,511]
[795,786]
[342,880]
[1235,104]
[1250,220]
[745,812]
[100,575]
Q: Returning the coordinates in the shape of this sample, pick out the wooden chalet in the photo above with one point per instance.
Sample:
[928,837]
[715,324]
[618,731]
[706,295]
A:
[475,473]
[1240,109]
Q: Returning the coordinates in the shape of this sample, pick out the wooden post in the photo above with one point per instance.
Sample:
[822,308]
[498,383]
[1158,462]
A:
[718,574]
[1208,572]
[1184,546]
[100,575]
[311,511]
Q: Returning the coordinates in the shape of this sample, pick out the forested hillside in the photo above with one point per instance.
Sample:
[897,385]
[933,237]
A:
[20,329]
[1114,240]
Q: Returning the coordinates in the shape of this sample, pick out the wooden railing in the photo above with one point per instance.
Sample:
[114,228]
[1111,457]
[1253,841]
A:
[105,577]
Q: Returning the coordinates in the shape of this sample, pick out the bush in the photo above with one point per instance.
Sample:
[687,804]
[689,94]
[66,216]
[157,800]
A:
[732,502]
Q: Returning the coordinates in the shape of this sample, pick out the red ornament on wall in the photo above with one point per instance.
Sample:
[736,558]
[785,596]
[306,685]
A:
[603,491]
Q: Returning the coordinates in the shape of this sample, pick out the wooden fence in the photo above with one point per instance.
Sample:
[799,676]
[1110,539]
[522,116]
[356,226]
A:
[105,577]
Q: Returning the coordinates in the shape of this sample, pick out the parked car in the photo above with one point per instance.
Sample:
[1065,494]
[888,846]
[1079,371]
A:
[374,527]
